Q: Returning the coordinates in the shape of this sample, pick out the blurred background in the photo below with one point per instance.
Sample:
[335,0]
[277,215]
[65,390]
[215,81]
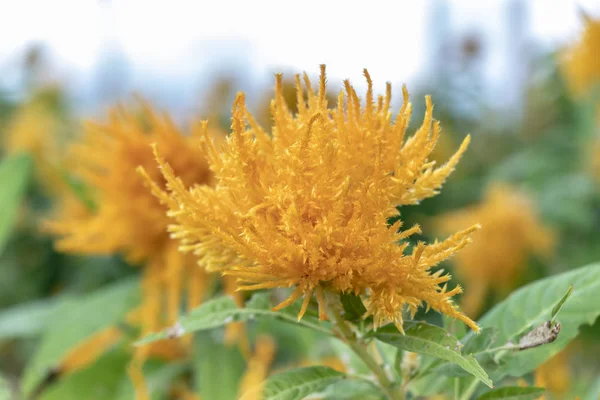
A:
[100,51]
[509,72]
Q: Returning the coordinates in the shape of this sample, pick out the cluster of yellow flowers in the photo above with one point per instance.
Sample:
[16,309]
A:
[307,206]
[511,232]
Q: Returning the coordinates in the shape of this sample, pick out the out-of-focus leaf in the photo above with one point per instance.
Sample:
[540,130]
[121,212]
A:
[593,392]
[296,384]
[486,361]
[354,363]
[482,341]
[99,381]
[354,308]
[74,320]
[431,340]
[26,320]
[531,305]
[513,393]
[293,344]
[15,172]
[5,393]
[223,310]
[454,326]
[352,389]
[566,201]
[218,368]
[159,377]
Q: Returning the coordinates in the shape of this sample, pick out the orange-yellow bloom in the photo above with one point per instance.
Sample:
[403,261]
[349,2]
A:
[128,219]
[307,206]
[581,63]
[511,232]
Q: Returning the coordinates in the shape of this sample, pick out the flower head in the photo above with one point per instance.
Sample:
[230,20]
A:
[127,219]
[511,232]
[307,206]
[581,62]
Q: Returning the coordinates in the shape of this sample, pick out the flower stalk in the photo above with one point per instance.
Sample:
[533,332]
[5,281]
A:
[386,384]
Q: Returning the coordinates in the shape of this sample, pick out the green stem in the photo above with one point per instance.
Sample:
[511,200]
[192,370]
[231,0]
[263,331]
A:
[466,395]
[388,387]
[456,388]
[507,346]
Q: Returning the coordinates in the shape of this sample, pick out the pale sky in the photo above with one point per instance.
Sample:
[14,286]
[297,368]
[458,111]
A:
[175,38]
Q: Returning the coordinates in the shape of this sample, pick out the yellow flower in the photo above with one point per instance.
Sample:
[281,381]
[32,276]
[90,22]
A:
[511,232]
[554,375]
[90,349]
[34,129]
[257,369]
[128,220]
[581,63]
[308,206]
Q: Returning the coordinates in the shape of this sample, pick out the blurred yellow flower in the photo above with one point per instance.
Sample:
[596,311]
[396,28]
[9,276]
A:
[554,375]
[128,220]
[511,232]
[581,63]
[258,367]
[308,206]
[89,350]
[34,129]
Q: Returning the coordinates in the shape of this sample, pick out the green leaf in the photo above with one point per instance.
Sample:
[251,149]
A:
[296,384]
[218,368]
[531,305]
[26,320]
[352,389]
[15,172]
[454,326]
[398,361]
[486,361]
[431,340]
[593,392]
[74,320]
[223,310]
[159,377]
[354,309]
[5,392]
[481,341]
[560,304]
[349,357]
[513,393]
[98,381]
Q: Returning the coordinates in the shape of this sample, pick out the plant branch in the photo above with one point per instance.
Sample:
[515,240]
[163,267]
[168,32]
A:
[349,338]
